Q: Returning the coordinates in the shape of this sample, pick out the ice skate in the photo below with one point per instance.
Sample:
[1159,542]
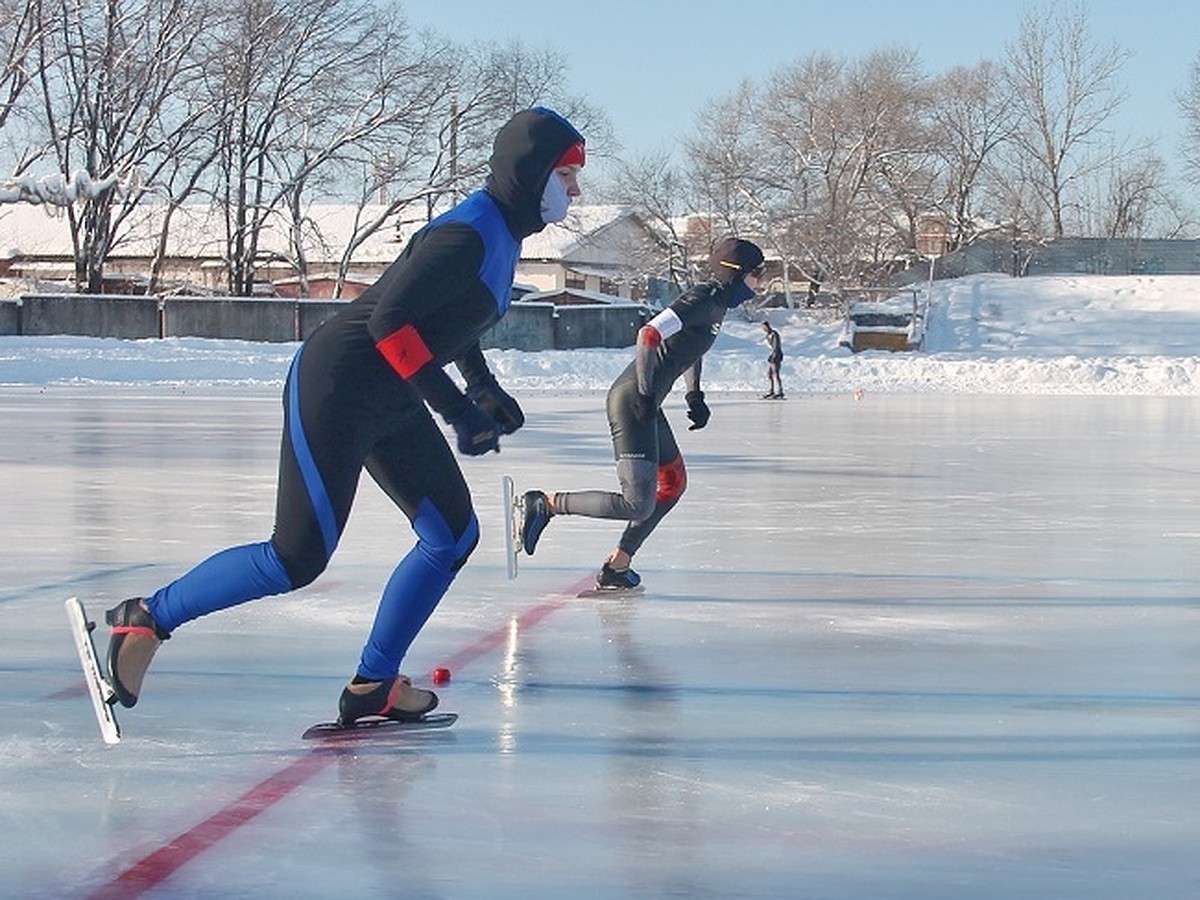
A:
[102,695]
[134,640]
[394,699]
[535,517]
[610,579]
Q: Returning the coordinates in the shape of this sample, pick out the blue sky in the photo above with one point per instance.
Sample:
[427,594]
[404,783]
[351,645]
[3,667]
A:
[651,65]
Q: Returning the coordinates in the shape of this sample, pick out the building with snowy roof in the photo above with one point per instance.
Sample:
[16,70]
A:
[605,249]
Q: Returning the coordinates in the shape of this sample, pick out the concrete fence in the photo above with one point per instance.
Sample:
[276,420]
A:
[104,316]
[10,317]
[527,326]
[545,326]
[1064,256]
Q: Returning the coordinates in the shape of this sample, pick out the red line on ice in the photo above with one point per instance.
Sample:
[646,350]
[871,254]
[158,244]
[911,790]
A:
[153,869]
[527,619]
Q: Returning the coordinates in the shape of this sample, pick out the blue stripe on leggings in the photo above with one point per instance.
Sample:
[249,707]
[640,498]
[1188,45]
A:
[319,498]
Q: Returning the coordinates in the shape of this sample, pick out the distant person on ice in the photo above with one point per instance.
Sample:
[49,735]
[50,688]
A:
[774,359]
[649,465]
[359,396]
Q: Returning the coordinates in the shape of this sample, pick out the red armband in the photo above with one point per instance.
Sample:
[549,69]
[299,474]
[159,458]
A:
[405,351]
[649,336]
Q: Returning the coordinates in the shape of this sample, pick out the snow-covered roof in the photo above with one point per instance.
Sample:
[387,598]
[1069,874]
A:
[195,233]
[42,230]
[583,225]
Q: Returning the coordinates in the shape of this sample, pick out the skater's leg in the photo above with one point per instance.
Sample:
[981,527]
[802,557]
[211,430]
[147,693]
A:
[318,477]
[634,502]
[635,448]
[672,481]
[225,579]
[635,445]
[317,480]
[419,473]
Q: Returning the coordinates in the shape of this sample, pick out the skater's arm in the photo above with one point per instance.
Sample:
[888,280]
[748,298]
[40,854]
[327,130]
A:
[650,338]
[473,365]
[432,288]
[407,353]
[691,376]
[426,293]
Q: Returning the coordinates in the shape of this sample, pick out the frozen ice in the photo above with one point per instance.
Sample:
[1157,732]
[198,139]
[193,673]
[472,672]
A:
[929,628]
[901,646]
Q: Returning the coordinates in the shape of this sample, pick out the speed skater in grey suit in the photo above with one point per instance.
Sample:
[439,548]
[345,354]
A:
[650,467]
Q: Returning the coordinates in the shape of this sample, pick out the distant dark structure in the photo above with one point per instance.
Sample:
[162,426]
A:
[1065,256]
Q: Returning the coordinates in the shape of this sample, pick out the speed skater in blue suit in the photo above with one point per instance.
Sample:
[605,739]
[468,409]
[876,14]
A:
[360,395]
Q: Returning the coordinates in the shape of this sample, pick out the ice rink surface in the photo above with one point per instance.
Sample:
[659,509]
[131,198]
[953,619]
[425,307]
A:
[904,646]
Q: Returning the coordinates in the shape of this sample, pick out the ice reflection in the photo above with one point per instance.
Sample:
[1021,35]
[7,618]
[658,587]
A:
[507,685]
[654,788]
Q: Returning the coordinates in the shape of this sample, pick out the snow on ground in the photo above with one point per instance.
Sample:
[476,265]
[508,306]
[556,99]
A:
[986,334]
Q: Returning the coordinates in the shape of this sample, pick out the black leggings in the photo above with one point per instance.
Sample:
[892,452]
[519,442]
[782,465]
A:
[339,420]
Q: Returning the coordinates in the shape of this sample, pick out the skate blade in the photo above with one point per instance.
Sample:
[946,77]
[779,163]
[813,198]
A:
[612,591]
[102,694]
[377,726]
[512,531]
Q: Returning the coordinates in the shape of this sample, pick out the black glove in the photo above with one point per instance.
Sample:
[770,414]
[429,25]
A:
[477,432]
[698,410]
[493,400]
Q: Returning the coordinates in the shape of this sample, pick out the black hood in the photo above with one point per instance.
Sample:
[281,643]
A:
[523,156]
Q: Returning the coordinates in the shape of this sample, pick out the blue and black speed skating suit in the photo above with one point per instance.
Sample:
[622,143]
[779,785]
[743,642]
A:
[358,396]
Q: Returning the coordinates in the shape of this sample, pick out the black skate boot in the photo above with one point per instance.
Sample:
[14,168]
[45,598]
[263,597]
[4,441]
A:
[395,698]
[134,640]
[611,579]
[537,516]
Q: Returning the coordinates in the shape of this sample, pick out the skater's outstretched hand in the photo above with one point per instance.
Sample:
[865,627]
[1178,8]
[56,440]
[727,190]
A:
[475,430]
[497,403]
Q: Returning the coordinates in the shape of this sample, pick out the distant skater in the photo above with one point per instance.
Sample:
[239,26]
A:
[358,397]
[774,359]
[650,467]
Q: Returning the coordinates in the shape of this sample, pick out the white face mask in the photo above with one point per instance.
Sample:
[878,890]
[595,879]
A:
[555,201]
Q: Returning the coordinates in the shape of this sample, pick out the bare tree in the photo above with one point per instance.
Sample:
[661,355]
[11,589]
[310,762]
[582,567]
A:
[106,74]
[750,174]
[449,102]
[1065,92]
[189,149]
[20,21]
[1132,191]
[339,98]
[369,125]
[1189,106]
[485,85]
[655,188]
[971,117]
[268,71]
[843,163]
[724,163]
[891,88]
